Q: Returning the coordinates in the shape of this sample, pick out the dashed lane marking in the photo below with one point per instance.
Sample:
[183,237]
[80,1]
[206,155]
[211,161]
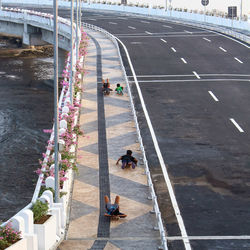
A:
[144,22]
[112,23]
[131,27]
[206,39]
[184,60]
[172,48]
[167,26]
[189,32]
[224,50]
[236,125]
[238,60]
[196,75]
[148,32]
[136,43]
[163,40]
[213,96]
[92,19]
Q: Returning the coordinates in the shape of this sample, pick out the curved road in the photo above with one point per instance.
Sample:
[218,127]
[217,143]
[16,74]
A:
[196,85]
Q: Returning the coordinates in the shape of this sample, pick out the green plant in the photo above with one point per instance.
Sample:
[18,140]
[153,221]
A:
[39,210]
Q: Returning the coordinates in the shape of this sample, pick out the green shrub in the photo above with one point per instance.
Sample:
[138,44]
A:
[39,210]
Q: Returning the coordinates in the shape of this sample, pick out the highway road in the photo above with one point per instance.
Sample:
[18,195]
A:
[196,85]
[196,88]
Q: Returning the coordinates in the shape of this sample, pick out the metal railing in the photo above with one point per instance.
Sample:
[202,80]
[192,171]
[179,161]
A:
[156,209]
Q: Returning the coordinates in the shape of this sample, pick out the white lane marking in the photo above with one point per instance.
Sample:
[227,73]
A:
[122,18]
[189,75]
[172,48]
[145,22]
[189,32]
[163,40]
[236,125]
[136,42]
[184,60]
[167,26]
[223,49]
[160,157]
[92,19]
[196,75]
[149,33]
[206,39]
[238,60]
[198,80]
[213,96]
[112,23]
[212,237]
[130,27]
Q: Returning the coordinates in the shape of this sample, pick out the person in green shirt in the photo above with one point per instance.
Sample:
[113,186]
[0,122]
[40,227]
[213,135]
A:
[119,89]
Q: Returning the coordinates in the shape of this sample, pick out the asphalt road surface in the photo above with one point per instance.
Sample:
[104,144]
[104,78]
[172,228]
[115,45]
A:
[196,87]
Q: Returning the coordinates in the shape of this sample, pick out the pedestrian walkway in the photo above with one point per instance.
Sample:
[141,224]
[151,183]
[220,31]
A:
[109,131]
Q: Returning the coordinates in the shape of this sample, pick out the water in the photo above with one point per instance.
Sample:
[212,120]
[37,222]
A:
[26,108]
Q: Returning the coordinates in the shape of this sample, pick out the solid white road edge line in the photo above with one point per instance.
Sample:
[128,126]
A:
[172,48]
[196,75]
[223,49]
[238,60]
[236,125]
[213,96]
[159,154]
[197,80]
[240,237]
[184,60]
[163,40]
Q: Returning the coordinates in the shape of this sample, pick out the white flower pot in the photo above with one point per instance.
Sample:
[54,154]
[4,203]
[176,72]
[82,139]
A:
[46,233]
[21,244]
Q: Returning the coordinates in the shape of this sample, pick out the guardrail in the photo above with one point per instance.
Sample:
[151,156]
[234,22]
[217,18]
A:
[156,209]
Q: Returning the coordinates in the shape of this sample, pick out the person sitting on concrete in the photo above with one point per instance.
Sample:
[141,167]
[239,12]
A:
[127,160]
[113,209]
[106,87]
[119,89]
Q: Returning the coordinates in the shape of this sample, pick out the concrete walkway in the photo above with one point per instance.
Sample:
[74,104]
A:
[109,131]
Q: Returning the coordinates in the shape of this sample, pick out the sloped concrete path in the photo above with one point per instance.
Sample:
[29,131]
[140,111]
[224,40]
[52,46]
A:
[109,131]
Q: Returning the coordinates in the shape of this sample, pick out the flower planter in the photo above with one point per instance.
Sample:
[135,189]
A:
[46,233]
[21,244]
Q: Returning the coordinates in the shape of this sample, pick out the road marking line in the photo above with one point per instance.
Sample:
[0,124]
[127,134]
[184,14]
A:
[196,75]
[184,60]
[213,96]
[236,125]
[172,48]
[144,22]
[240,237]
[136,42]
[163,40]
[160,157]
[206,39]
[223,49]
[189,32]
[130,27]
[112,23]
[191,75]
[197,80]
[123,18]
[92,19]
[149,33]
[238,60]
[167,26]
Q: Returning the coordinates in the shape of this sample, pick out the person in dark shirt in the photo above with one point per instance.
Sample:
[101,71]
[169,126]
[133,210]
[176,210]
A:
[127,160]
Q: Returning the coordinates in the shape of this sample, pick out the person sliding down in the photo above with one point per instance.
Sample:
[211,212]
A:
[119,89]
[127,160]
[113,209]
[106,87]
